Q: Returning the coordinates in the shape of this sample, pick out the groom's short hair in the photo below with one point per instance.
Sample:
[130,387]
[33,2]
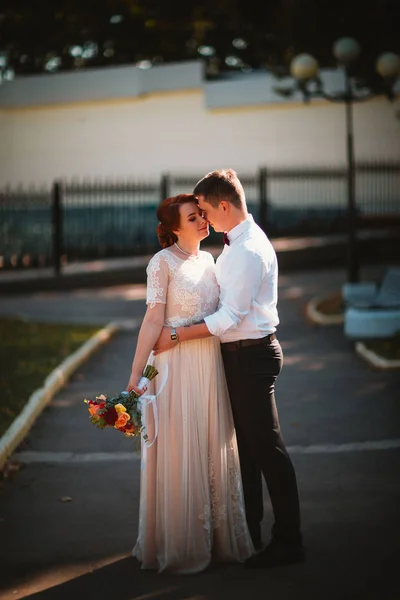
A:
[221,185]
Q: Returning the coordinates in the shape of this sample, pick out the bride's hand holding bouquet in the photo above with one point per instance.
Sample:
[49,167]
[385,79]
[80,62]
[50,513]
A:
[135,385]
[123,411]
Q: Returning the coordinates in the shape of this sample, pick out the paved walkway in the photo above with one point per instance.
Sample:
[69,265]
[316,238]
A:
[293,254]
[335,413]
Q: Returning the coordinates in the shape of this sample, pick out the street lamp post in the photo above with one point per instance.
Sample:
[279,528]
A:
[304,68]
[346,50]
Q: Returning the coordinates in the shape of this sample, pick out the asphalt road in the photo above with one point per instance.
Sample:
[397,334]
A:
[340,420]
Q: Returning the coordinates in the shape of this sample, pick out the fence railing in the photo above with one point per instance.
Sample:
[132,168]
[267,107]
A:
[75,220]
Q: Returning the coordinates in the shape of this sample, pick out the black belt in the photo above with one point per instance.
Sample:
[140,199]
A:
[232,346]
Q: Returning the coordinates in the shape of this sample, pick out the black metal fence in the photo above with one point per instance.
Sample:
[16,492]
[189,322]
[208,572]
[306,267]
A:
[26,228]
[75,221]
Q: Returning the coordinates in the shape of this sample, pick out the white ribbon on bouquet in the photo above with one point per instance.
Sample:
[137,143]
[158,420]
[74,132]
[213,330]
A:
[145,401]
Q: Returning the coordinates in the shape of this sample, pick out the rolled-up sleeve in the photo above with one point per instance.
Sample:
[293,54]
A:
[240,279]
[220,322]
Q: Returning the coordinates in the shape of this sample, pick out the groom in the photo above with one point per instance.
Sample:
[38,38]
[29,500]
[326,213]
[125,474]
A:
[245,322]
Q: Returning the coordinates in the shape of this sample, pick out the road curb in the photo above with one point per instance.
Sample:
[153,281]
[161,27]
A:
[52,384]
[375,360]
[318,317]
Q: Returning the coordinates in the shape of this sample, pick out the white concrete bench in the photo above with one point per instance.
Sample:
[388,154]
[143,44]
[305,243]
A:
[369,295]
[373,311]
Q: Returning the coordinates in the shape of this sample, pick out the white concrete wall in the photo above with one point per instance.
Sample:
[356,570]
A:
[99,84]
[238,89]
[175,132]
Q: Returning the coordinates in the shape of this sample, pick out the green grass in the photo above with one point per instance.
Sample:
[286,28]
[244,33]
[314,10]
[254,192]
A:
[388,348]
[28,354]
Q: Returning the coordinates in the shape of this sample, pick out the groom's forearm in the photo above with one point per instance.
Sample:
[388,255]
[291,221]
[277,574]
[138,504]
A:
[193,332]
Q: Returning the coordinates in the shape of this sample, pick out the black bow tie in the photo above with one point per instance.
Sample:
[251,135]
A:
[226,239]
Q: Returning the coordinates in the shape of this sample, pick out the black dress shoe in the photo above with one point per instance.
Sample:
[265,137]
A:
[276,554]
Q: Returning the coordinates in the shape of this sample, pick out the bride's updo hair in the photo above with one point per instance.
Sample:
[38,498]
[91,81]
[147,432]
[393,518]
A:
[168,214]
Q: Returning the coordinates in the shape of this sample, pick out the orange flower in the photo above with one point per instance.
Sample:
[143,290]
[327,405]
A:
[122,420]
[93,408]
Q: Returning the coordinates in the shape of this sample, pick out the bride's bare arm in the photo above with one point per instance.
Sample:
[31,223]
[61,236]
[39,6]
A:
[148,335]
[193,332]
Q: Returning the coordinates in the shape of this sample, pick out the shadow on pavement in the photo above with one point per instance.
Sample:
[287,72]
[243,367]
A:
[124,580]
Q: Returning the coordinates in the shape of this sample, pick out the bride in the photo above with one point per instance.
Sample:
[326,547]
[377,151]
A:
[191,500]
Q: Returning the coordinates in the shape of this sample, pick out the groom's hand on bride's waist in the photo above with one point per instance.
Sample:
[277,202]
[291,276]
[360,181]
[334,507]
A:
[170,336]
[164,342]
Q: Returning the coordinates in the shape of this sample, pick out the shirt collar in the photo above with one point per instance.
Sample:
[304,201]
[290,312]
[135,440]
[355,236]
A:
[239,229]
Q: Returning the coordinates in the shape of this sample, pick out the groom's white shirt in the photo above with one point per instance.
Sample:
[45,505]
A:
[247,273]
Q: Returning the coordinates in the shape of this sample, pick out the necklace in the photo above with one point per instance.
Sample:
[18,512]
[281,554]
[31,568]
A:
[187,253]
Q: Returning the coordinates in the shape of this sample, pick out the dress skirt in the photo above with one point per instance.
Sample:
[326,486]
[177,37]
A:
[191,499]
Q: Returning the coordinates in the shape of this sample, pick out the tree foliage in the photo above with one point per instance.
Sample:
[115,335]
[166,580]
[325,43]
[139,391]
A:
[37,37]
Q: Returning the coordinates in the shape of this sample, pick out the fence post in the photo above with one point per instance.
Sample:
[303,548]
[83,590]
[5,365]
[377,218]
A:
[263,195]
[57,226]
[164,186]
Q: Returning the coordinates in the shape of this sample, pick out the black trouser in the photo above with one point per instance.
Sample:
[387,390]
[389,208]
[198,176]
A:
[251,372]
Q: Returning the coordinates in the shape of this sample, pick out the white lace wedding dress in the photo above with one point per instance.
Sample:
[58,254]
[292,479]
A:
[191,499]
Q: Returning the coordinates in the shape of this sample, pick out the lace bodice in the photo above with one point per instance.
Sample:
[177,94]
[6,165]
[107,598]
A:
[188,287]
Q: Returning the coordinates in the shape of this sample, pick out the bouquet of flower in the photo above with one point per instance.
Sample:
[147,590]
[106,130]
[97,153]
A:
[124,411]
